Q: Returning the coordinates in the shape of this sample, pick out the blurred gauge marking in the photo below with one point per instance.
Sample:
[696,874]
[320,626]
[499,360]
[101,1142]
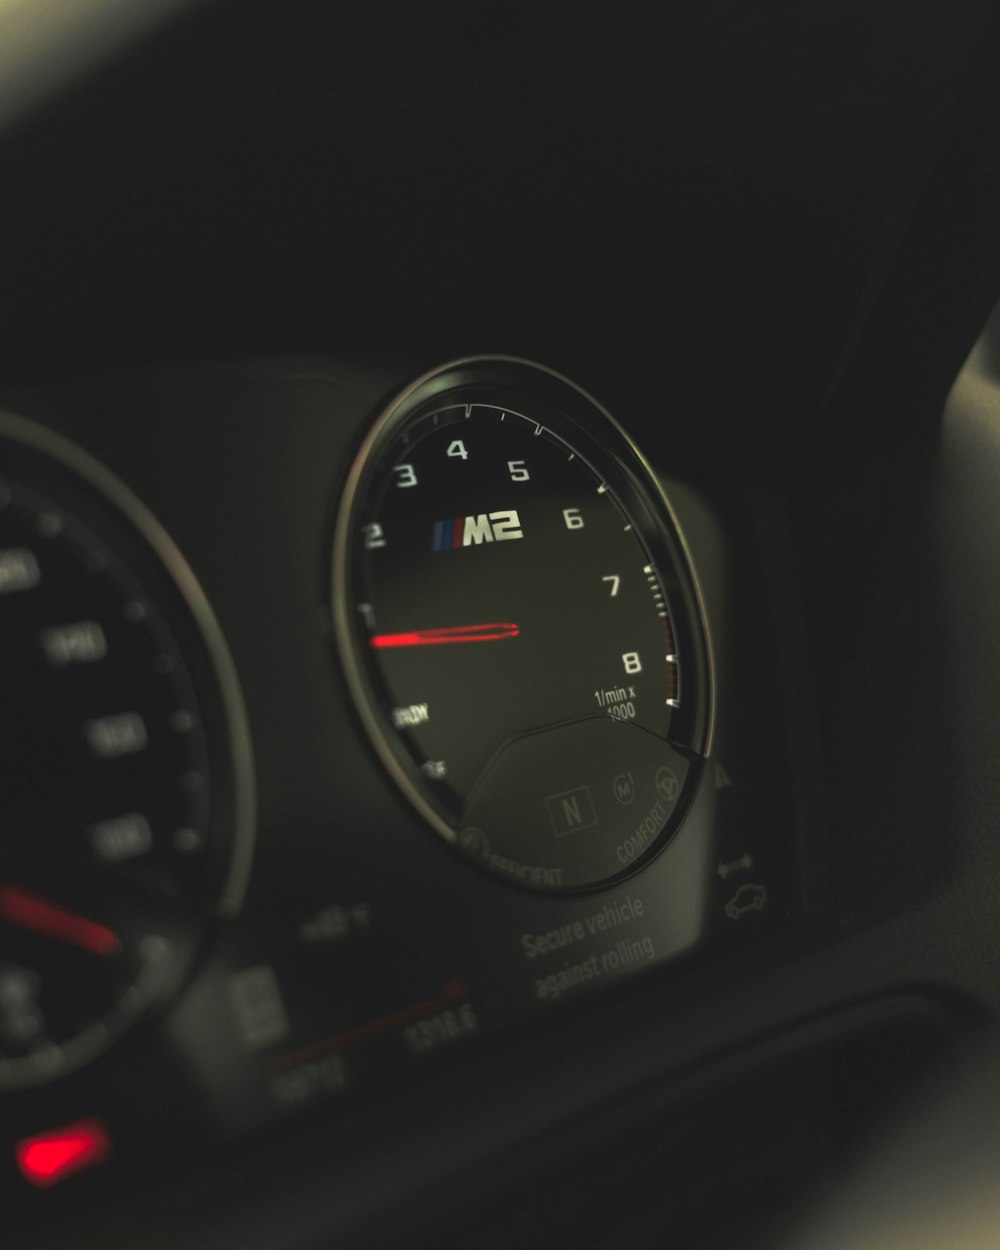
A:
[18,570]
[111,737]
[187,841]
[135,611]
[49,525]
[82,642]
[121,837]
[451,993]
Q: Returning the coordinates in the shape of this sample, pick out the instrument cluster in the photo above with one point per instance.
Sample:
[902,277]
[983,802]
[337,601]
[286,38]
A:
[356,717]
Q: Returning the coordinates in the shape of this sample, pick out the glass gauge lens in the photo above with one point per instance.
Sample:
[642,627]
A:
[125,804]
[520,627]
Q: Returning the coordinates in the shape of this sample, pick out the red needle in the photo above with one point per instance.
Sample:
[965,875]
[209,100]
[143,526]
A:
[492,632]
[39,915]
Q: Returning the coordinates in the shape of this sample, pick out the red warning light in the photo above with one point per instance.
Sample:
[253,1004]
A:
[50,1157]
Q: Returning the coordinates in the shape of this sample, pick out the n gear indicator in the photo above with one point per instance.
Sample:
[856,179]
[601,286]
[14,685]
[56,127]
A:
[571,811]
[537,754]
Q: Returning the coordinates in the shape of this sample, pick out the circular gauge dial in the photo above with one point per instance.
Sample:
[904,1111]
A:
[520,627]
[125,800]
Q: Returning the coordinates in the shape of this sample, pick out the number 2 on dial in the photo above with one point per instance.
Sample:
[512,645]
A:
[374,537]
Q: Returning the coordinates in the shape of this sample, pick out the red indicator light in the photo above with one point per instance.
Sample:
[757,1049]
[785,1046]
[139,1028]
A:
[493,632]
[48,1158]
[40,915]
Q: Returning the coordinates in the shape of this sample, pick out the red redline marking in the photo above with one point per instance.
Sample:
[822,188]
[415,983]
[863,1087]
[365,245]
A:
[374,1028]
[493,632]
[40,915]
[457,533]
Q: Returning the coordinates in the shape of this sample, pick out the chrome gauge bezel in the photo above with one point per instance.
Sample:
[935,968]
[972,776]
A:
[587,426]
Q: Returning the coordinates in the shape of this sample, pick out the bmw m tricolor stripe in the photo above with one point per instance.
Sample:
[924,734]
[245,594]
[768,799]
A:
[448,534]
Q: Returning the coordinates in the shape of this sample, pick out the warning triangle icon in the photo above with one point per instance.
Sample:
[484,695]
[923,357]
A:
[722,778]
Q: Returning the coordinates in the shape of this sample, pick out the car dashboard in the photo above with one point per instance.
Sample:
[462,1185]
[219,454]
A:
[381,392]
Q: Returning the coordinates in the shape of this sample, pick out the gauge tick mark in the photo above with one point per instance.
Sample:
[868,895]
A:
[134,611]
[49,525]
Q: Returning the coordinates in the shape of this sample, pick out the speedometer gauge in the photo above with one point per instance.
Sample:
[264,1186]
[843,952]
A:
[126,798]
[520,626]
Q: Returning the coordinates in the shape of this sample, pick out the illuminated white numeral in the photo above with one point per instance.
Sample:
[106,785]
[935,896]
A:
[573,519]
[373,536]
[122,837]
[113,736]
[457,448]
[632,662]
[615,581]
[518,473]
[18,570]
[80,643]
[407,475]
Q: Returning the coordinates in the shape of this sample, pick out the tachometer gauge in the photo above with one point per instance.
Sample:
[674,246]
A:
[126,797]
[520,626]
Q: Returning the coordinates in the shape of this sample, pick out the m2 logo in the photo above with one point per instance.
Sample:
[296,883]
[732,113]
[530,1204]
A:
[470,531]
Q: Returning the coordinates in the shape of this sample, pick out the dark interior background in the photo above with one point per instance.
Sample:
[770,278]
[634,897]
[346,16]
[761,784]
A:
[766,235]
[700,208]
